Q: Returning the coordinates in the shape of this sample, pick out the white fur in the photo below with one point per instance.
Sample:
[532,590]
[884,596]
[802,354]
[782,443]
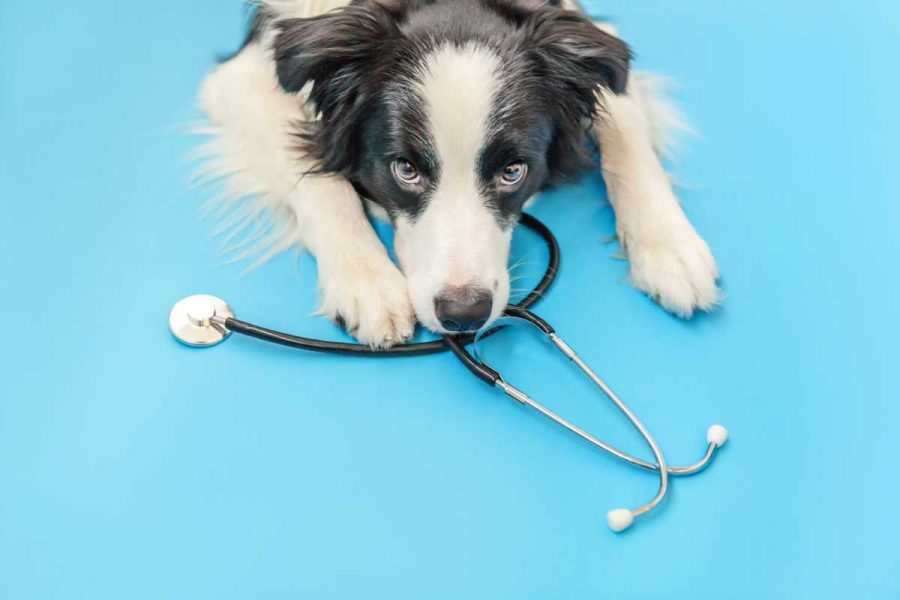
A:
[669,261]
[665,120]
[456,241]
[248,124]
[251,119]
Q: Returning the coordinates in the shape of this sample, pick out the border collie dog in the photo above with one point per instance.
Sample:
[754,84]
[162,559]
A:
[445,116]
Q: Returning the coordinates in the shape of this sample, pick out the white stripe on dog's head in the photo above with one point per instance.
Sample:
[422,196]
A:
[458,88]
[456,247]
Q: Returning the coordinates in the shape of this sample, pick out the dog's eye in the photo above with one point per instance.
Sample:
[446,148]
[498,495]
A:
[405,172]
[513,173]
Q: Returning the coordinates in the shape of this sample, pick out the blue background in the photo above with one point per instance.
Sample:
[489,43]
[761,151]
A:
[131,467]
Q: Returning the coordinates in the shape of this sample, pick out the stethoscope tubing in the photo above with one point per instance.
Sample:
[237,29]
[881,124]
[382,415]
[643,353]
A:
[493,377]
[619,519]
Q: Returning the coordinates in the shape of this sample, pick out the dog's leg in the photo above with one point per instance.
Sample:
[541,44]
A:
[253,120]
[361,288]
[669,260]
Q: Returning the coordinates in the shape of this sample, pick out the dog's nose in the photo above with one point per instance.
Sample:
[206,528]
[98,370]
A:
[463,308]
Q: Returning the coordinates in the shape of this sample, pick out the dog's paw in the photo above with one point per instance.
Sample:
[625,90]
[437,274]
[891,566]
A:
[368,298]
[676,269]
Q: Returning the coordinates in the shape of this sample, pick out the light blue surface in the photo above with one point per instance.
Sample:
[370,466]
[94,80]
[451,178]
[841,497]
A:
[131,467]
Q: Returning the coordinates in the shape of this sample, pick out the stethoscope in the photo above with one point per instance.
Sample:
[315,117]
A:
[203,321]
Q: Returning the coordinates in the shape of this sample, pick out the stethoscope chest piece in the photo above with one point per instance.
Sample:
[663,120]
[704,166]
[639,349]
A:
[193,321]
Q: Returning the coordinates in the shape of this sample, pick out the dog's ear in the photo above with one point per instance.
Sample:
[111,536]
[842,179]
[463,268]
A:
[574,60]
[338,44]
[577,53]
[340,54]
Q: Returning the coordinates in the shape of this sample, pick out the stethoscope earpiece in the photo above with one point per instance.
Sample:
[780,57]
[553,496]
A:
[620,519]
[717,435]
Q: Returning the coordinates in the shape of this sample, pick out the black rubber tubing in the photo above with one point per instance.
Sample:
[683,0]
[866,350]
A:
[419,348]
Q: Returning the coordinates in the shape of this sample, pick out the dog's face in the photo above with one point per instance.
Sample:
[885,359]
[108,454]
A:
[450,114]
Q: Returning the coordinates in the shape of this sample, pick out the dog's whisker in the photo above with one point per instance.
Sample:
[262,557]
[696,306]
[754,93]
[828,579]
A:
[523,266]
[522,259]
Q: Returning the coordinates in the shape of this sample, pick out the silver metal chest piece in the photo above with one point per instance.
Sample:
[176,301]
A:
[191,321]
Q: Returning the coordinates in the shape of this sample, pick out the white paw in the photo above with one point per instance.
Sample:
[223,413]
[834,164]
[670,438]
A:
[676,269]
[369,298]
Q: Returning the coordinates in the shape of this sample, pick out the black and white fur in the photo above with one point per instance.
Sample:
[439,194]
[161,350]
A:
[327,98]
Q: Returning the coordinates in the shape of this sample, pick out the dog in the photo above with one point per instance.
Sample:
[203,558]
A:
[445,117]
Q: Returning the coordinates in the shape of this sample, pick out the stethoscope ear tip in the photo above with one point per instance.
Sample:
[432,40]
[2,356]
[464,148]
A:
[619,519]
[717,435]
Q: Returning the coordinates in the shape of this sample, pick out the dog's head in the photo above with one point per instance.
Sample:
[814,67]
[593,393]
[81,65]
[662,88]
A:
[450,114]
